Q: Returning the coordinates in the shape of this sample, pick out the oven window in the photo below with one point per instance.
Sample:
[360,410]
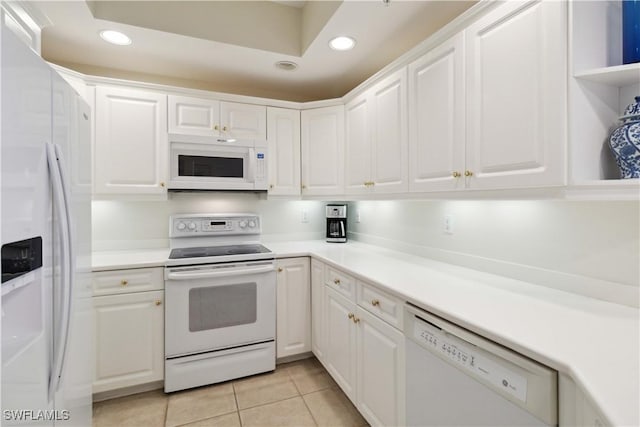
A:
[222,306]
[213,167]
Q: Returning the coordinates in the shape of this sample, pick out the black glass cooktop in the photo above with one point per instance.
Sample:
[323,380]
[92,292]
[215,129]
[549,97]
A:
[213,251]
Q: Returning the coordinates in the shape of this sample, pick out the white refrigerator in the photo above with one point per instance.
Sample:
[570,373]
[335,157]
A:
[45,231]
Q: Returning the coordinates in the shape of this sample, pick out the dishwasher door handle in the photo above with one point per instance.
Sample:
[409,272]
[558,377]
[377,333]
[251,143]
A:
[215,273]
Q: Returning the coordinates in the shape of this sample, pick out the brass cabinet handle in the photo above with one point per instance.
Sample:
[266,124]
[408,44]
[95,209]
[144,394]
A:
[456,174]
[124,282]
[161,183]
[304,187]
[224,128]
[270,186]
[375,302]
[336,281]
[356,320]
[158,302]
[216,127]
[468,173]
[369,183]
[351,316]
[279,269]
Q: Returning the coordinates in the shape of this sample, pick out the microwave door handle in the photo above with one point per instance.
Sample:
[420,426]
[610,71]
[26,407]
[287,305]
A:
[252,166]
[206,274]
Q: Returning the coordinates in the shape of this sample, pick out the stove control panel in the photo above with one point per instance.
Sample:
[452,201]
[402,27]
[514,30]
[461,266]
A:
[213,225]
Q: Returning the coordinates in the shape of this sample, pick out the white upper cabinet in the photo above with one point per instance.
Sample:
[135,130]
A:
[376,138]
[193,116]
[323,151]
[206,117]
[131,141]
[516,96]
[283,138]
[357,145]
[243,121]
[436,118]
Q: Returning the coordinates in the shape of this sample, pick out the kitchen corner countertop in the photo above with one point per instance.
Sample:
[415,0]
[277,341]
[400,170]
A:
[596,343]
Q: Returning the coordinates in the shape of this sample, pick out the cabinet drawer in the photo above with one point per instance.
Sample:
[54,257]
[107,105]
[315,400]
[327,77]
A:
[127,281]
[341,282]
[383,305]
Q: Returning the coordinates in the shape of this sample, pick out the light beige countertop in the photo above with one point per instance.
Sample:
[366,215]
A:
[596,343]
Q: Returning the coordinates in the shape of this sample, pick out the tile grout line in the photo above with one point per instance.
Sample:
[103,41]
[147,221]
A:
[235,397]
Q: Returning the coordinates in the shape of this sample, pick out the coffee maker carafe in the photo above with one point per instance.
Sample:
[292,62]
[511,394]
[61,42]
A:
[336,223]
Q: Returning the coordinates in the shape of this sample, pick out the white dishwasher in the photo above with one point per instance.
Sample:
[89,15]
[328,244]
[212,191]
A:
[457,378]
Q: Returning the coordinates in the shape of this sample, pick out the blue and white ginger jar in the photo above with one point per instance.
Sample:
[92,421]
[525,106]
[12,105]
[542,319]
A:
[625,141]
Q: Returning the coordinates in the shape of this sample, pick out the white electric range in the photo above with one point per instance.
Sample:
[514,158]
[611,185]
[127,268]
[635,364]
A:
[220,300]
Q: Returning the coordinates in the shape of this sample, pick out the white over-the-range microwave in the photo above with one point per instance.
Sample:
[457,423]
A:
[217,164]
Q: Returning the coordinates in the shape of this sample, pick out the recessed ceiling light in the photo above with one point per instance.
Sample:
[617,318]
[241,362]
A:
[342,43]
[286,65]
[115,37]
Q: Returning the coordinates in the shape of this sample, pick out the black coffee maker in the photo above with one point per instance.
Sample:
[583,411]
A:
[336,223]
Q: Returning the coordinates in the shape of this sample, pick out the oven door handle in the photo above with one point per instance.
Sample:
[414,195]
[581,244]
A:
[205,274]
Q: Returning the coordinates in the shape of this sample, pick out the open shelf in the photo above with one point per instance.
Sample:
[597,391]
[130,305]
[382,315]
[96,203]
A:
[618,76]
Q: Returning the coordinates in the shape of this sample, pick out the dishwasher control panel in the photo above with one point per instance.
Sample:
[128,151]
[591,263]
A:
[467,357]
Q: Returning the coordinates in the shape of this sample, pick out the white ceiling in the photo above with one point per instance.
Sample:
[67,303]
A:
[232,46]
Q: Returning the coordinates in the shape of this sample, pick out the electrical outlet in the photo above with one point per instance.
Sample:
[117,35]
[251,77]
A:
[304,217]
[358,217]
[448,224]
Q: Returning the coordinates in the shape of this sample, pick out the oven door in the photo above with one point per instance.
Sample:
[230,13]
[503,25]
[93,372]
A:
[196,166]
[219,306]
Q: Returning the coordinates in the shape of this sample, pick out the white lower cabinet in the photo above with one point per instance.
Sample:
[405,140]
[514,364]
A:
[293,331]
[340,356]
[363,353]
[128,329]
[318,328]
[380,371]
[575,408]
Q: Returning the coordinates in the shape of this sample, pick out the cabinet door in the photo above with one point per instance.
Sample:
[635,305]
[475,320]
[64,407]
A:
[318,321]
[436,118]
[381,377]
[194,116]
[129,336]
[293,326]
[340,356]
[358,160]
[323,151]
[389,139]
[516,96]
[243,121]
[283,138]
[131,142]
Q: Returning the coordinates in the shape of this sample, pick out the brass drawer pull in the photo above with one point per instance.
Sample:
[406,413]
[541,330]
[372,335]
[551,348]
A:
[375,302]
[279,269]
[351,316]
[158,302]
[336,281]
[124,282]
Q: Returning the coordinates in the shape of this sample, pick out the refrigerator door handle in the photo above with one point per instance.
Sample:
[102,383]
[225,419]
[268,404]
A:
[62,209]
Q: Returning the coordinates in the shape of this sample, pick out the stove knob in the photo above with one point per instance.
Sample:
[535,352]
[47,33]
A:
[252,224]
[243,224]
[181,226]
[192,226]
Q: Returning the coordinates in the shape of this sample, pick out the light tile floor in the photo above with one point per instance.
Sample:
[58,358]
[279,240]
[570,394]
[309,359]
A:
[296,394]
